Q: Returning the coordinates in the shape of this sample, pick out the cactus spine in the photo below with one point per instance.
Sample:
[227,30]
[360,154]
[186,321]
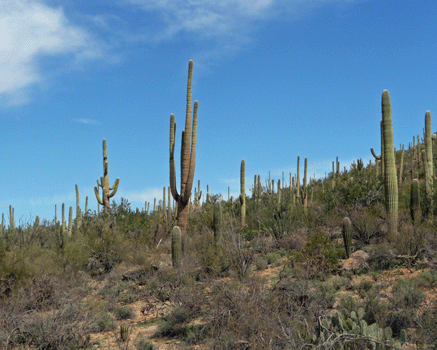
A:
[390,177]
[188,157]
[347,238]
[176,246]
[104,183]
[428,162]
[243,192]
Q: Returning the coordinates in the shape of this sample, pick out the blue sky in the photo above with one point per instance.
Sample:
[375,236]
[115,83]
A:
[274,79]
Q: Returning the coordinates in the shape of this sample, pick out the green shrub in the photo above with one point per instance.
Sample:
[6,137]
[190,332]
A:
[406,293]
[143,344]
[123,312]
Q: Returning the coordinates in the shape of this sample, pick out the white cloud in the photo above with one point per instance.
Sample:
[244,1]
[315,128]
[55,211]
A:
[206,18]
[86,121]
[143,196]
[219,28]
[30,30]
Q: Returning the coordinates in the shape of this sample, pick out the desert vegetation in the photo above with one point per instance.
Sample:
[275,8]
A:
[348,261]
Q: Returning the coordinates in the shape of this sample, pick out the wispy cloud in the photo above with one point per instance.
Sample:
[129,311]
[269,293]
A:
[86,121]
[225,26]
[30,31]
[147,195]
[206,18]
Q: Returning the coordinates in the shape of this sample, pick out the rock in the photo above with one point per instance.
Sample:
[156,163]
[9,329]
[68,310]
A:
[358,260]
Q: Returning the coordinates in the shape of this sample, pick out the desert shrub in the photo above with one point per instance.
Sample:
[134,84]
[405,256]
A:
[68,327]
[407,294]
[260,263]
[243,314]
[123,312]
[142,343]
[375,308]
[271,258]
[319,257]
[104,321]
[366,225]
[281,223]
[382,257]
[427,330]
[399,320]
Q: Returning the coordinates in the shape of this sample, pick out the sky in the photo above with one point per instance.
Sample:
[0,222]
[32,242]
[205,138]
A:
[275,79]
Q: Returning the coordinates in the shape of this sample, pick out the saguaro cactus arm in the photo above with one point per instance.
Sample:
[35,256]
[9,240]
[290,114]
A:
[192,166]
[374,154]
[173,185]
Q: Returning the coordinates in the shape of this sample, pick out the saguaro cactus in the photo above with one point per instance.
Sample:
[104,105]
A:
[305,188]
[390,177]
[197,195]
[428,162]
[401,166]
[347,238]
[176,246]
[78,211]
[188,157]
[11,219]
[298,181]
[243,192]
[415,201]
[104,183]
[124,331]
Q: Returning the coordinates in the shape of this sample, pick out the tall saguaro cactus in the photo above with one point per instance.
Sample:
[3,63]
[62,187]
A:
[390,177]
[428,162]
[108,192]
[188,157]
[243,192]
